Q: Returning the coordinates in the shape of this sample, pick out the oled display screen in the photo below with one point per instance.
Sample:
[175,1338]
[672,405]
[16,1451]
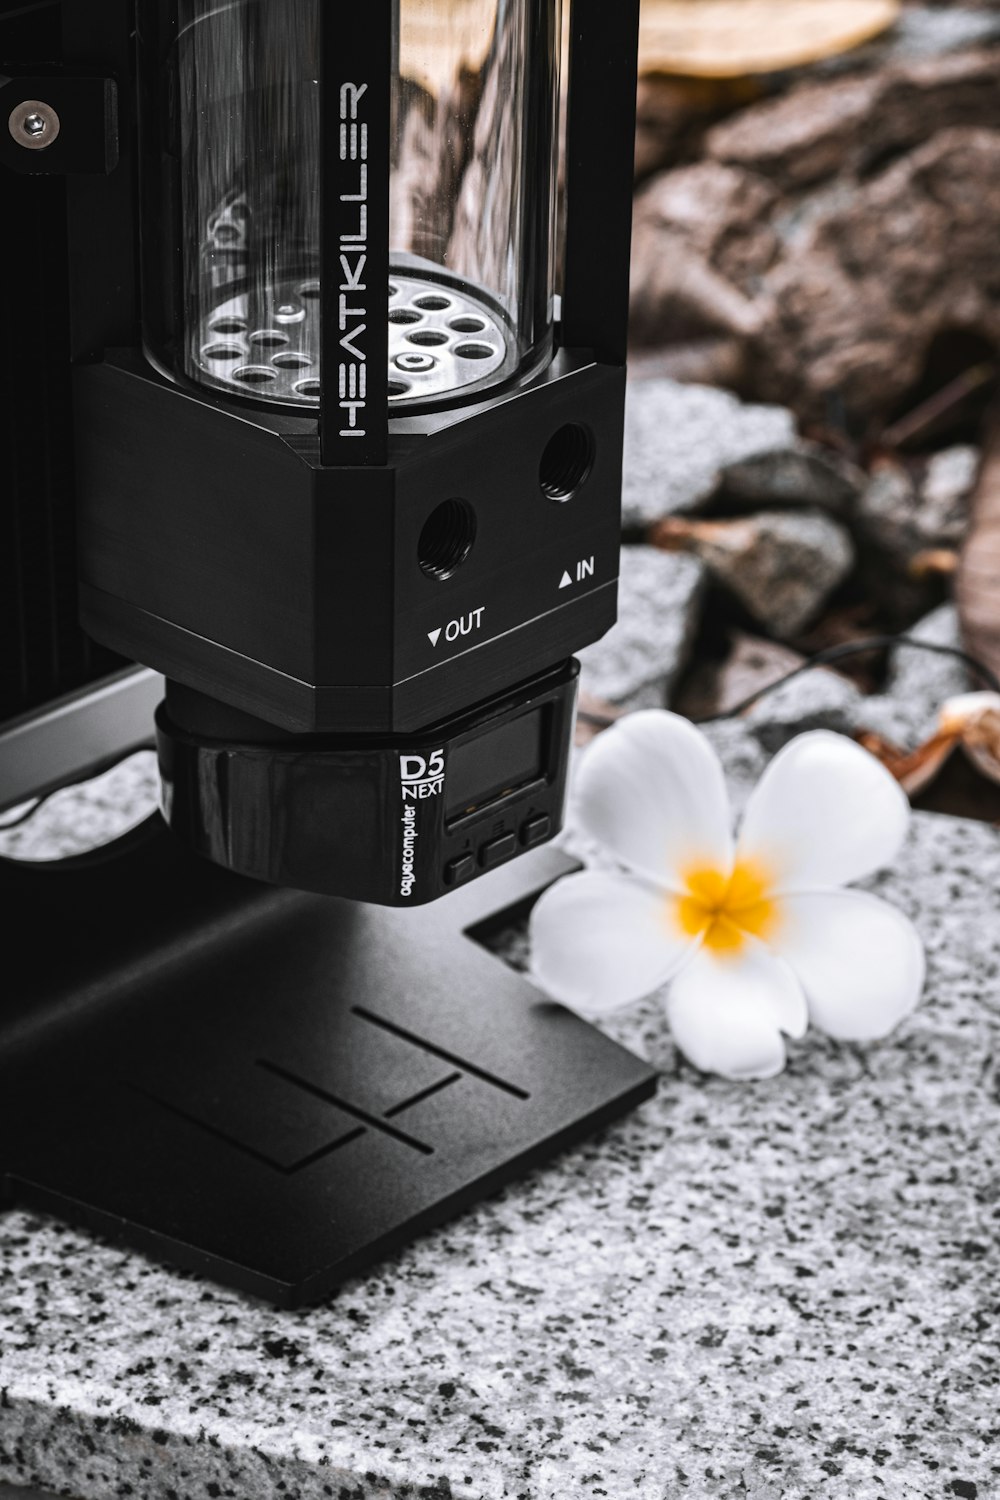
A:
[483,769]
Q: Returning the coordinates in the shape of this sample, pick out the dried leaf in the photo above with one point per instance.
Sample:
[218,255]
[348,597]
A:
[934,562]
[913,769]
[970,722]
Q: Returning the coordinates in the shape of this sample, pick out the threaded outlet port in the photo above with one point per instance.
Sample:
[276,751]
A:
[566,462]
[447,538]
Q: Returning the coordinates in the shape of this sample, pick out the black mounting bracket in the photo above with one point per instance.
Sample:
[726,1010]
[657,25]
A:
[272,1088]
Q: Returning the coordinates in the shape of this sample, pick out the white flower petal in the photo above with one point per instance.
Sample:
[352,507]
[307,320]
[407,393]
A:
[824,813]
[727,1013]
[859,960]
[651,789]
[784,993]
[599,941]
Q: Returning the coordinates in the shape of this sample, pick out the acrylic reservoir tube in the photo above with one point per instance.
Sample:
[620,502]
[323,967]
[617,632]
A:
[230,127]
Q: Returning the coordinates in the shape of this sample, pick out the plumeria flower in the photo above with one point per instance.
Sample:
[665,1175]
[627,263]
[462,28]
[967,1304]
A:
[757,936]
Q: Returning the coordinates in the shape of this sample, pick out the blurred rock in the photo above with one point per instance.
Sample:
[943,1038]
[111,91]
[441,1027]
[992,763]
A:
[718,687]
[943,512]
[781,565]
[917,683]
[837,231]
[902,516]
[844,126]
[887,512]
[890,545]
[672,114]
[922,674]
[679,437]
[701,242]
[637,663]
[743,757]
[712,360]
[924,31]
[803,475]
[909,255]
[905,713]
[802,137]
[661,118]
[819,699]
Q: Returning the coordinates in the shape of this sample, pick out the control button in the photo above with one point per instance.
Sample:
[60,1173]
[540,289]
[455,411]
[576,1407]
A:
[497,850]
[457,870]
[536,830]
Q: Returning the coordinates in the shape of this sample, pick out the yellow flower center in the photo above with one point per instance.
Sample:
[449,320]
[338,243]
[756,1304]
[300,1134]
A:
[724,910]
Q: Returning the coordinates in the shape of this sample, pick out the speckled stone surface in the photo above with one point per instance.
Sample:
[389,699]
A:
[638,662]
[678,438]
[81,817]
[784,1289]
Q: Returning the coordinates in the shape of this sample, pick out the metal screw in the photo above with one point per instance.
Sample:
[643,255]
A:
[33,124]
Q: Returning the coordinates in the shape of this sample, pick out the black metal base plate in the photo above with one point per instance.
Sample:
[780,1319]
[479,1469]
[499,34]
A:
[271,1088]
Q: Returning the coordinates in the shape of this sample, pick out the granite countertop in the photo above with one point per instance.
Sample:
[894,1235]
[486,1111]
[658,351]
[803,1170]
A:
[783,1289]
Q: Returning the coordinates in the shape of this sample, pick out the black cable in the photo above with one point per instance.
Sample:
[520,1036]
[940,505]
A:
[857,648]
[822,659]
[818,659]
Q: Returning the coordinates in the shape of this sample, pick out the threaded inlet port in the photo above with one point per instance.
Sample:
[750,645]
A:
[566,462]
